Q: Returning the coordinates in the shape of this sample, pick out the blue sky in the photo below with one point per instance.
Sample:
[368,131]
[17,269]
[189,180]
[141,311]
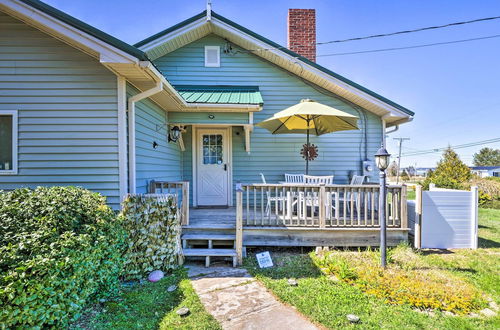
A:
[453,89]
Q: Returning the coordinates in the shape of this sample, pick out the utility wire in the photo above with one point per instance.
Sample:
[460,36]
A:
[409,47]
[382,34]
[460,146]
[410,31]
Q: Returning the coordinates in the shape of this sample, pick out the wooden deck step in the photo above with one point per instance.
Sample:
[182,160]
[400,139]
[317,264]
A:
[207,253]
[208,236]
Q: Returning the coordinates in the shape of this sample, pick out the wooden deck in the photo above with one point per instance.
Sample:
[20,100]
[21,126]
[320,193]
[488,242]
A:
[223,221]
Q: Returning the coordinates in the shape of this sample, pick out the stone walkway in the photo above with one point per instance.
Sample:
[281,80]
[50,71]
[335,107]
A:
[238,301]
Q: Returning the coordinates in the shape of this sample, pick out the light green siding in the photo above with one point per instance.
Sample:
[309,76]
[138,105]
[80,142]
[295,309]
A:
[272,155]
[203,118]
[67,107]
[162,163]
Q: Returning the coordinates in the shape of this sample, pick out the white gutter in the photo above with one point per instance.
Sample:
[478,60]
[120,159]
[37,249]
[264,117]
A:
[131,131]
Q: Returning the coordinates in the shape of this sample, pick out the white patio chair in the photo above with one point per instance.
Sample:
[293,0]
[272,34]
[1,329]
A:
[270,199]
[325,179]
[356,180]
[294,178]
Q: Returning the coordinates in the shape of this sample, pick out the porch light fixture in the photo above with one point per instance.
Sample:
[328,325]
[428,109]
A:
[175,133]
[382,160]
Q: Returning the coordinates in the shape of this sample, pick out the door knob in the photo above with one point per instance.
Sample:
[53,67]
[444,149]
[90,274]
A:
[225,167]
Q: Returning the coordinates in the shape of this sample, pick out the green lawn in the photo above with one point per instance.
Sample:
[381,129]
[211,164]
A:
[151,306]
[327,302]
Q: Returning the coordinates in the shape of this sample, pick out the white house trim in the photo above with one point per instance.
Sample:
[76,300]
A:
[131,131]
[122,134]
[15,123]
[177,33]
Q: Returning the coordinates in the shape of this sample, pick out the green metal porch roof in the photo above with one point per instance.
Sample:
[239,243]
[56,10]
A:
[220,94]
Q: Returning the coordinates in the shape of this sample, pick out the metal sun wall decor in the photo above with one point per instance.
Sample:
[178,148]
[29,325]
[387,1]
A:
[309,151]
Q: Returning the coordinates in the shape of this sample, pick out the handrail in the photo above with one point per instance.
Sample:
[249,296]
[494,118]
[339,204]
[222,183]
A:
[180,188]
[321,206]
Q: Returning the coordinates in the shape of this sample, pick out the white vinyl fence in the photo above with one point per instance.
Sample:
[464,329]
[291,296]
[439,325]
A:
[444,218]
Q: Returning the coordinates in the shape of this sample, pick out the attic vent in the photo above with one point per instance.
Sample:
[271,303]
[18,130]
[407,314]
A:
[212,56]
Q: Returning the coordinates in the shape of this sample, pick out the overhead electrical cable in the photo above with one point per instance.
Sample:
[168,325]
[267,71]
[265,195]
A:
[410,31]
[460,146]
[408,47]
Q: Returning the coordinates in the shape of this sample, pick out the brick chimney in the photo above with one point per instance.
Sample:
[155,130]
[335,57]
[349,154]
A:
[302,32]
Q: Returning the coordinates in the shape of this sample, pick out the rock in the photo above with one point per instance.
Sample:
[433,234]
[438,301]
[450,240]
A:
[488,312]
[183,311]
[353,318]
[292,282]
[155,276]
[493,306]
[333,278]
[172,288]
[448,313]
[473,315]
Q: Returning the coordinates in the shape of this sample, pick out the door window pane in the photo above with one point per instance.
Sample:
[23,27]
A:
[212,149]
[5,142]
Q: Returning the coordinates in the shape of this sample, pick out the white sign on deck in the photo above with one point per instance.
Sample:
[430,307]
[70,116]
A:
[264,259]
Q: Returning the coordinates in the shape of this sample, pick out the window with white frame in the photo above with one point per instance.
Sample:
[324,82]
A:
[212,56]
[8,142]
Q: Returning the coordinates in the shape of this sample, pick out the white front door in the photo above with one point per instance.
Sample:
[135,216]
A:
[212,167]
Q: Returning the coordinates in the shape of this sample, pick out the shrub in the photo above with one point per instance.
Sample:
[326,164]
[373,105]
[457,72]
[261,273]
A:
[450,172]
[406,280]
[153,225]
[61,249]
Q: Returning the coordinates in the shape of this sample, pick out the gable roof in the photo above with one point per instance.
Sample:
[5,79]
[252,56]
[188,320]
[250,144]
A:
[195,27]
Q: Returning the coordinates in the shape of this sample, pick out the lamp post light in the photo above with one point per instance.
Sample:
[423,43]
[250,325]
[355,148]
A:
[382,161]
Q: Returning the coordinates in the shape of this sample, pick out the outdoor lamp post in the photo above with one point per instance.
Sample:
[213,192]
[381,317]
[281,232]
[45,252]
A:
[382,161]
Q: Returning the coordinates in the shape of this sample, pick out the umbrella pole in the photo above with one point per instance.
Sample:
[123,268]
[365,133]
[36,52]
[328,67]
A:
[307,154]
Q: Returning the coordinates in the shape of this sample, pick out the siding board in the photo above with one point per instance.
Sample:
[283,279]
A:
[67,107]
[273,155]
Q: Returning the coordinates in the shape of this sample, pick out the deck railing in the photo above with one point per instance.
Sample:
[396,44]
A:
[320,206]
[179,188]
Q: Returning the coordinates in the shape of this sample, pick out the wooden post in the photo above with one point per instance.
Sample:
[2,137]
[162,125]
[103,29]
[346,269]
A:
[404,207]
[418,216]
[185,203]
[322,206]
[239,226]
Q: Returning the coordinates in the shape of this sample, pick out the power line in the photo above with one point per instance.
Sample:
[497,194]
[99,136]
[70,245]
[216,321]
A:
[409,47]
[460,146]
[382,34]
[410,31]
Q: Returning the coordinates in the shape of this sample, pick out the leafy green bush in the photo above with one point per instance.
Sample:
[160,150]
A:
[450,172]
[61,248]
[153,225]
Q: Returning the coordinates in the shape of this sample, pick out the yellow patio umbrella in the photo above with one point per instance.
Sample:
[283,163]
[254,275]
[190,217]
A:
[309,117]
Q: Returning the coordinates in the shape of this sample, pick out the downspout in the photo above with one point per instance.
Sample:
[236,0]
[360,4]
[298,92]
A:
[385,131]
[131,131]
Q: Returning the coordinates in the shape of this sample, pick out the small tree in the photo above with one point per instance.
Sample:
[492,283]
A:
[487,157]
[450,172]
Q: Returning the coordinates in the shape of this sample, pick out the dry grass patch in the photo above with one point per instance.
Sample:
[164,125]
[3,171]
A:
[408,279]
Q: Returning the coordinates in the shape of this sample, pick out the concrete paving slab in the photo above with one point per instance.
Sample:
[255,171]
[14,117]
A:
[238,301]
